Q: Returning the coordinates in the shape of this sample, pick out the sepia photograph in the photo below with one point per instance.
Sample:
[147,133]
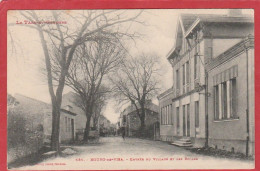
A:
[130,89]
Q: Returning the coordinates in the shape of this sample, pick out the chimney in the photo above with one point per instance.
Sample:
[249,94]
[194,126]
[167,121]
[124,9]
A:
[235,12]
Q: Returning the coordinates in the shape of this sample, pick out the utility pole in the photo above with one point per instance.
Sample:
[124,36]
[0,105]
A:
[206,110]
[247,104]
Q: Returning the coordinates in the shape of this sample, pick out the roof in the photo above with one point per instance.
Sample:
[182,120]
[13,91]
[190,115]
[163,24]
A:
[189,19]
[22,99]
[166,92]
[68,112]
[151,106]
[187,22]
[213,18]
[69,99]
[34,106]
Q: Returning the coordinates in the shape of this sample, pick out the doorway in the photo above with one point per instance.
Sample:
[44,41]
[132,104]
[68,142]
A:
[188,120]
[72,129]
[184,121]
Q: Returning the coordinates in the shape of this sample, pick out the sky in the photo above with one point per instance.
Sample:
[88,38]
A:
[25,55]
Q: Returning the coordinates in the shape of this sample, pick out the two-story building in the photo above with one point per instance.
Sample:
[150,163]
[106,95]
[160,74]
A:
[186,107]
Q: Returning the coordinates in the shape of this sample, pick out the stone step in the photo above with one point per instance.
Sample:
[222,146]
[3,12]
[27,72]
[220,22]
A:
[185,140]
[181,144]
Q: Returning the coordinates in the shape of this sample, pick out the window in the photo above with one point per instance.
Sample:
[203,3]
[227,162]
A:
[124,118]
[166,115]
[164,119]
[197,40]
[183,74]
[178,119]
[210,52]
[224,97]
[225,100]
[171,114]
[161,116]
[72,125]
[187,72]
[216,100]
[196,66]
[66,124]
[197,119]
[178,79]
[69,125]
[233,98]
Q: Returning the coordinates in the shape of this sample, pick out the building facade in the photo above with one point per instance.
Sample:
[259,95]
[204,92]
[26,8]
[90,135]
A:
[200,39]
[38,114]
[70,99]
[231,104]
[130,121]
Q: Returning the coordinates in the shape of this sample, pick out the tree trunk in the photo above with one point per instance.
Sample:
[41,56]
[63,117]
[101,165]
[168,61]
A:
[55,142]
[55,129]
[87,128]
[95,123]
[142,118]
[55,99]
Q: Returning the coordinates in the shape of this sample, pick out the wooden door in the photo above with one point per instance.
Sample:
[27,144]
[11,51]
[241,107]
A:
[72,129]
[188,120]
[184,121]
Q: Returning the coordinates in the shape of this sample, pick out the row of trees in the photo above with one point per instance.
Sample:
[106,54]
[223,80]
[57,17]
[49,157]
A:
[87,53]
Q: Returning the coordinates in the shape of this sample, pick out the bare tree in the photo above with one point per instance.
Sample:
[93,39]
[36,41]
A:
[137,82]
[80,27]
[98,107]
[87,72]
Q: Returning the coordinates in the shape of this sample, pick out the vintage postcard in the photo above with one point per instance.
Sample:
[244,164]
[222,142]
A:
[130,89]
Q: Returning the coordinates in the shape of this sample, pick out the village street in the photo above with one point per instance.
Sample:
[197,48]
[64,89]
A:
[131,153]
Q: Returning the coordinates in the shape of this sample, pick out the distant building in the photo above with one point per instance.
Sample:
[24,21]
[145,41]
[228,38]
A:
[210,52]
[39,113]
[70,99]
[103,125]
[106,127]
[130,121]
